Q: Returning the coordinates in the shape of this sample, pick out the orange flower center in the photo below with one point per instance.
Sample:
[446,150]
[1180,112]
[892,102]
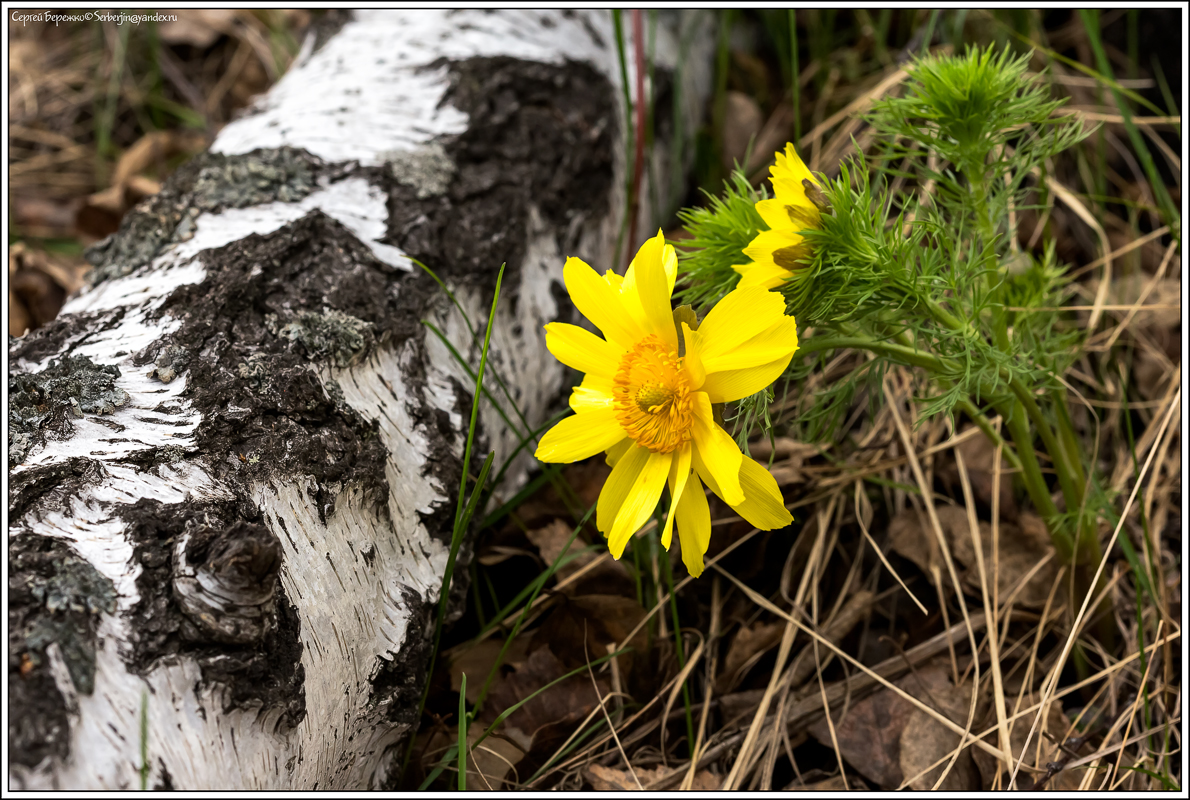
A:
[652,397]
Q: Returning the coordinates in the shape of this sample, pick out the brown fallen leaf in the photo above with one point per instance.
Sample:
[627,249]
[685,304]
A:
[1042,750]
[608,577]
[979,456]
[546,719]
[746,647]
[789,456]
[835,784]
[610,779]
[197,27]
[579,629]
[869,733]
[102,212]
[1021,546]
[742,120]
[488,764]
[477,662]
[924,739]
[38,285]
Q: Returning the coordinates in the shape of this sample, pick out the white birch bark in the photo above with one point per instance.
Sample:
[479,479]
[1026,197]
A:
[362,575]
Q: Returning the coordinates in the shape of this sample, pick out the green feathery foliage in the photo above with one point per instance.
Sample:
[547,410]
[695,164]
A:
[915,262]
[718,235]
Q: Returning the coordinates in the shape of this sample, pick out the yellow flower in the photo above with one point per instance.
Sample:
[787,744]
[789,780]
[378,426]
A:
[775,253]
[648,394]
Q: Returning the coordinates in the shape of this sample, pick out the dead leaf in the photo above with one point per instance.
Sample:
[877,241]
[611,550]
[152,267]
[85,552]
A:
[579,629]
[788,456]
[979,455]
[477,663]
[609,779]
[1041,749]
[748,644]
[198,27]
[1021,547]
[101,213]
[38,284]
[608,577]
[547,718]
[924,739]
[741,123]
[488,764]
[835,784]
[869,734]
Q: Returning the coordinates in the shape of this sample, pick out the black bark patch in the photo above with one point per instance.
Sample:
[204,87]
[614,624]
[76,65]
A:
[51,486]
[209,182]
[398,683]
[539,134]
[54,597]
[42,404]
[55,336]
[269,306]
[268,670]
[328,24]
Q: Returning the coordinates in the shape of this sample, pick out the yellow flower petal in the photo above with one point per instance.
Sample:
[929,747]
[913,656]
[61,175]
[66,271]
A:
[790,167]
[738,317]
[614,454]
[692,361]
[763,505]
[669,261]
[579,348]
[779,341]
[716,450]
[625,472]
[735,384]
[640,501]
[580,436]
[654,289]
[773,246]
[765,275]
[694,525]
[793,217]
[599,301]
[595,392]
[679,472]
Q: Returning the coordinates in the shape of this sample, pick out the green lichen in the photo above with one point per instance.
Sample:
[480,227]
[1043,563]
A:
[341,337]
[46,401]
[210,183]
[55,597]
[428,169]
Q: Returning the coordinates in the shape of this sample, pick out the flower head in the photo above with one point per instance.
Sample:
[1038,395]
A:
[775,253]
[648,395]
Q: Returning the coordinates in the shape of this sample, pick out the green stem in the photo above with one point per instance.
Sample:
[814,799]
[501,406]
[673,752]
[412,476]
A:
[1039,493]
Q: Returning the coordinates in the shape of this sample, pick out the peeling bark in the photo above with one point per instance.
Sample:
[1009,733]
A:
[234,457]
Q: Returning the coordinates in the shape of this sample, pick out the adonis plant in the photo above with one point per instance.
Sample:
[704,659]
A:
[908,254]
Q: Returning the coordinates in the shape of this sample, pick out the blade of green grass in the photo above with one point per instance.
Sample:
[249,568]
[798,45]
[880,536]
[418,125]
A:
[144,741]
[463,725]
[667,571]
[512,709]
[516,628]
[1090,19]
[629,135]
[463,514]
[795,88]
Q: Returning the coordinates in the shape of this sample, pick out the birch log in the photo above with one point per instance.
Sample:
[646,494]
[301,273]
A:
[234,458]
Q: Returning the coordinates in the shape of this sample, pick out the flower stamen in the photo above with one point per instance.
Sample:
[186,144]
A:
[652,397]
